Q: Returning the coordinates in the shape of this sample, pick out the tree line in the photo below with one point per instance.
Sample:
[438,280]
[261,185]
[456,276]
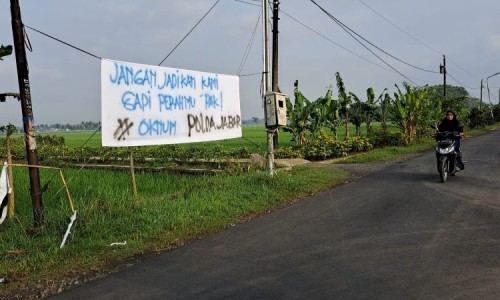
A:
[411,109]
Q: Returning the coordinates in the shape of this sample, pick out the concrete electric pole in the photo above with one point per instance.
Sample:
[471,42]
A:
[267,86]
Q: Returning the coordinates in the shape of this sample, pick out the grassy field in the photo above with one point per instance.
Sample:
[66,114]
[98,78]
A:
[254,137]
[170,209]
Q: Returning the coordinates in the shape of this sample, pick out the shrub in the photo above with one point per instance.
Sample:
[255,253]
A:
[289,152]
[496,113]
[359,144]
[480,118]
[383,138]
[325,146]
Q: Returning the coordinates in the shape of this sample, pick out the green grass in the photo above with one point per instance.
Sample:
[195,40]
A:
[388,153]
[170,209]
[254,137]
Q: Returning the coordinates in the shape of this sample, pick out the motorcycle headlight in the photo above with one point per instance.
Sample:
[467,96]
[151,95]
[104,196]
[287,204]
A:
[444,150]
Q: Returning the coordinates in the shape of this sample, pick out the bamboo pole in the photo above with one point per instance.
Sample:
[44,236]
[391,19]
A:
[67,191]
[62,178]
[34,166]
[11,206]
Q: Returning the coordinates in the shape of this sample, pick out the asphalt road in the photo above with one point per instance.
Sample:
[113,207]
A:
[397,233]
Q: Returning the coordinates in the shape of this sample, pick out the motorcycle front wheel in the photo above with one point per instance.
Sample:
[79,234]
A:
[443,169]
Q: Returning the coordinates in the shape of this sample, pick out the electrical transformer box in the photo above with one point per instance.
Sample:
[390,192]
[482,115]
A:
[275,109]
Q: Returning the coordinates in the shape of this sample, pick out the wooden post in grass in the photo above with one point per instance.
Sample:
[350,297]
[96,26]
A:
[27,111]
[11,178]
[132,172]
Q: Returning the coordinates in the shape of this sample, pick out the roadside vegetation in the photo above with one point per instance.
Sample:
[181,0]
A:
[172,208]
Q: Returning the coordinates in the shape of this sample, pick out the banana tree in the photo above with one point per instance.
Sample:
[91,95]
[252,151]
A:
[408,110]
[334,118]
[298,116]
[384,111]
[344,101]
[370,112]
[357,113]
[319,113]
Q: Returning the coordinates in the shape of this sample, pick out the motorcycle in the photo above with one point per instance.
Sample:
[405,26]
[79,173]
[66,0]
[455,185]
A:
[447,155]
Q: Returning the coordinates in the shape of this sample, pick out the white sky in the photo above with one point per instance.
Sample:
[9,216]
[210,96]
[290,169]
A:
[65,83]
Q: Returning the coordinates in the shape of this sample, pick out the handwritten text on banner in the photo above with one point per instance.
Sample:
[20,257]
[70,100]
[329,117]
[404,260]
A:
[151,105]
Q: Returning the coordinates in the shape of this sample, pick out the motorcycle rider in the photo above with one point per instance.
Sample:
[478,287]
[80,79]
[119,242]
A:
[452,124]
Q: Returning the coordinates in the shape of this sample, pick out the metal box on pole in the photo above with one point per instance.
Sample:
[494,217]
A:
[275,109]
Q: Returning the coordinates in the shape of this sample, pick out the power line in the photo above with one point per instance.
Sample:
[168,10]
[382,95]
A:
[380,49]
[189,32]
[251,74]
[249,46]
[60,41]
[346,49]
[415,39]
[333,42]
[448,73]
[338,45]
[245,2]
[411,36]
[349,32]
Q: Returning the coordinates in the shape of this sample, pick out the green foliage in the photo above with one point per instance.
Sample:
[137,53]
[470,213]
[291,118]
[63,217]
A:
[171,210]
[325,146]
[53,140]
[496,113]
[344,101]
[321,113]
[384,138]
[457,97]
[359,144]
[17,146]
[370,108]
[480,118]
[289,152]
[357,113]
[384,111]
[5,51]
[298,116]
[413,110]
[9,129]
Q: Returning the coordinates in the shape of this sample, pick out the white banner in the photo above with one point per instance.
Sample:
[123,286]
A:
[151,105]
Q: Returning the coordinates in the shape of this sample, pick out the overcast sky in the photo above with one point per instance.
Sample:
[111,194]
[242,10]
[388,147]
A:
[65,83]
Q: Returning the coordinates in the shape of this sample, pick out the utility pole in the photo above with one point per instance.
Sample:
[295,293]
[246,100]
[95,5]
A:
[276,5]
[481,97]
[275,85]
[442,70]
[267,86]
[27,111]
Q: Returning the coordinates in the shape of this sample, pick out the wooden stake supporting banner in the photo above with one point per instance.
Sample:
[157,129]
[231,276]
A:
[62,178]
[67,192]
[132,172]
[73,216]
